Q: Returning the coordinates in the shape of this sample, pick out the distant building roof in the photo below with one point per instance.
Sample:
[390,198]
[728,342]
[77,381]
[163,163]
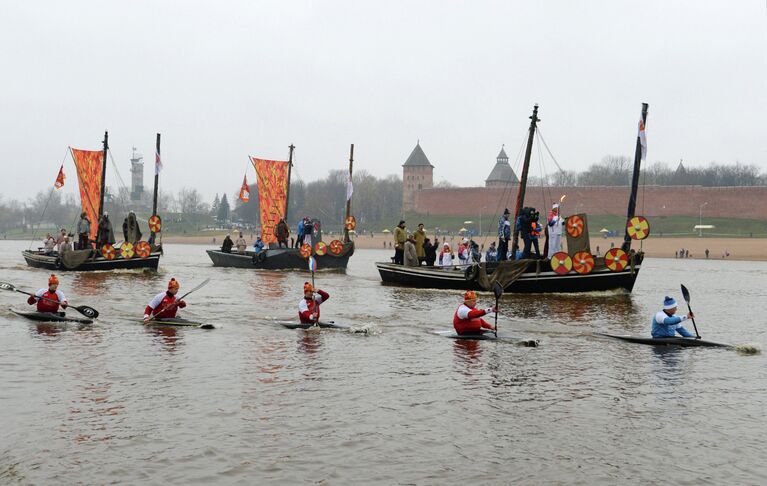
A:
[502,172]
[680,177]
[417,157]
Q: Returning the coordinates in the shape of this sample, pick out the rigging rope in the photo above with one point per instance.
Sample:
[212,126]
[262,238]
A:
[34,230]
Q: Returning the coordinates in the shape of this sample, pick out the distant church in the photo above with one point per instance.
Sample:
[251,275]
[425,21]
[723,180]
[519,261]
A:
[418,174]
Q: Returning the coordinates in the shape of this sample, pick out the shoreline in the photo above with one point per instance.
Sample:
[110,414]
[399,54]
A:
[742,249]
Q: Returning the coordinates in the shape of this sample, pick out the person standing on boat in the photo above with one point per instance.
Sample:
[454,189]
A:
[420,239]
[105,235]
[463,252]
[54,296]
[504,234]
[411,254]
[49,244]
[282,231]
[65,246]
[131,231]
[555,231]
[258,246]
[299,233]
[83,231]
[492,254]
[535,233]
[468,319]
[666,324]
[309,307]
[241,244]
[446,256]
[430,252]
[227,245]
[308,231]
[164,305]
[399,243]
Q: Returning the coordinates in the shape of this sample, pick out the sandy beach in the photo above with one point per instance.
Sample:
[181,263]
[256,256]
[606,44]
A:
[737,248]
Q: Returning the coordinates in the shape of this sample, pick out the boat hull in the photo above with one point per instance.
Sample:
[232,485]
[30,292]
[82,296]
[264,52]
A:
[278,259]
[668,341]
[537,278]
[52,262]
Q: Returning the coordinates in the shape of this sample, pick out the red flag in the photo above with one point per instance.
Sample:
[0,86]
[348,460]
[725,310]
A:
[60,178]
[157,163]
[245,190]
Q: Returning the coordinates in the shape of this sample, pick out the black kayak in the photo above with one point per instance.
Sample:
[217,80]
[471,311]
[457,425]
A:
[51,317]
[323,325]
[487,336]
[178,322]
[667,341]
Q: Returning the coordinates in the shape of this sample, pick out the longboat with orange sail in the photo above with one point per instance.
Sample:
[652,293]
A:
[273,181]
[91,176]
[575,271]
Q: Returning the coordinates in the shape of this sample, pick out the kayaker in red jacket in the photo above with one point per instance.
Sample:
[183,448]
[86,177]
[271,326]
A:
[467,319]
[164,304]
[309,307]
[52,293]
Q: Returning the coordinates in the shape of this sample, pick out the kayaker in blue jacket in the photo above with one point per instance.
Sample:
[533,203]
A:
[666,324]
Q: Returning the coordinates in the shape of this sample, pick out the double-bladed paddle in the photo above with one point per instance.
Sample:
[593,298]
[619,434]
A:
[686,295]
[498,291]
[82,309]
[203,284]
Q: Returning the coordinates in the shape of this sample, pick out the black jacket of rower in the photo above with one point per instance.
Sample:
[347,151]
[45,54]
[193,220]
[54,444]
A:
[430,251]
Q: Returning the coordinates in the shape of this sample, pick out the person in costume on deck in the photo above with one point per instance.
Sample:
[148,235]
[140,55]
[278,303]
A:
[164,304]
[83,231]
[309,307]
[282,232]
[504,234]
[666,324]
[399,243]
[258,245]
[52,293]
[241,244]
[299,234]
[105,234]
[227,244]
[535,233]
[468,319]
[463,252]
[411,254]
[131,230]
[420,239]
[430,252]
[555,231]
[446,256]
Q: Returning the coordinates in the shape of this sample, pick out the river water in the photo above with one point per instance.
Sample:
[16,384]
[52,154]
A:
[253,403]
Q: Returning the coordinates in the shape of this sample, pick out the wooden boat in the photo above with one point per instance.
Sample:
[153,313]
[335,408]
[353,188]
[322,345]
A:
[334,255]
[578,271]
[145,254]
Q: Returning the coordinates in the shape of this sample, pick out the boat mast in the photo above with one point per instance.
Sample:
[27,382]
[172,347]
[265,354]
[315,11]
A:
[287,191]
[349,201]
[634,182]
[523,181]
[103,174]
[156,177]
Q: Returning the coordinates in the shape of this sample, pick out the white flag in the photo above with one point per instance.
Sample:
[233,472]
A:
[349,187]
[642,139]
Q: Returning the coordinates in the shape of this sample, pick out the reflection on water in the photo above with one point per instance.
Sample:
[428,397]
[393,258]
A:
[251,399]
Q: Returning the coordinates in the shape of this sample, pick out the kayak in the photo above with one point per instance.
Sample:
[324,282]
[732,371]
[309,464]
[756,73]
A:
[668,341]
[51,317]
[488,336]
[323,325]
[178,322]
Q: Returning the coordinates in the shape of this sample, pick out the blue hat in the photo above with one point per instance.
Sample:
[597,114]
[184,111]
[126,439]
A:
[669,303]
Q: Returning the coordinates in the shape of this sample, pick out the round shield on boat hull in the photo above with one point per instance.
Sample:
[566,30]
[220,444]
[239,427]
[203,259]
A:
[336,247]
[155,224]
[306,250]
[108,252]
[616,259]
[583,262]
[143,249]
[126,250]
[561,263]
[574,226]
[320,248]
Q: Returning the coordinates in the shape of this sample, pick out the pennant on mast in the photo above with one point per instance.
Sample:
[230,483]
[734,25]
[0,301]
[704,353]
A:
[60,178]
[643,139]
[245,190]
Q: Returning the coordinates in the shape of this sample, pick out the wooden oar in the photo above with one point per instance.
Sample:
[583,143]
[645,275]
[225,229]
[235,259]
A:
[498,291]
[686,294]
[203,284]
[82,309]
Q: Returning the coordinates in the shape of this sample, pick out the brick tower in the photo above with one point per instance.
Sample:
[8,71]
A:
[417,174]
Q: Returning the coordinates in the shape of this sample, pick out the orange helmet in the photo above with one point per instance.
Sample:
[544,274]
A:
[470,295]
[173,284]
[53,280]
[308,287]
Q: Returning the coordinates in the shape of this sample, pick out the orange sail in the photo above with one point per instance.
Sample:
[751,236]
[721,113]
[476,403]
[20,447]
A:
[272,177]
[89,165]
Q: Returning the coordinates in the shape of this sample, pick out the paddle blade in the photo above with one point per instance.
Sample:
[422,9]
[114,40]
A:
[6,286]
[497,290]
[685,294]
[87,311]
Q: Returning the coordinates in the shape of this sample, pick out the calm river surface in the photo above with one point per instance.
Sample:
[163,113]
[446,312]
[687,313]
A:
[253,403]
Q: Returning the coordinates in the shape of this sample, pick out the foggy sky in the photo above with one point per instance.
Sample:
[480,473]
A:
[224,80]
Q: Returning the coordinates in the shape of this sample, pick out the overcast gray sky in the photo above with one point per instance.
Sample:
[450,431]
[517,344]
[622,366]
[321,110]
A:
[224,80]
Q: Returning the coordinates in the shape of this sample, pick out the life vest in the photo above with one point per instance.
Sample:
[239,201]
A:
[467,320]
[307,307]
[161,306]
[45,305]
[535,229]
